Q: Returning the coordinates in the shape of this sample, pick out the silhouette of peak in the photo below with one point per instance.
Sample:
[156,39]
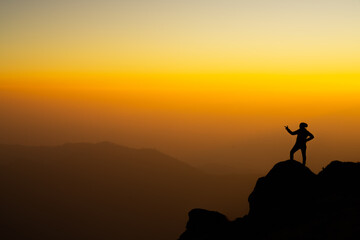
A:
[344,169]
[291,202]
[340,178]
[203,222]
[289,168]
[88,155]
[286,185]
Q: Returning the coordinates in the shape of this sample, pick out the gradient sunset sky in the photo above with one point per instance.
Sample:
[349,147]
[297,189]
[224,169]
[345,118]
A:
[205,81]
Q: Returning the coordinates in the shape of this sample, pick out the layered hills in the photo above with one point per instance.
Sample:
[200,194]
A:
[106,191]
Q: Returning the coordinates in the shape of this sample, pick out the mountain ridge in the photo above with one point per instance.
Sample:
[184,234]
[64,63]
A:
[105,191]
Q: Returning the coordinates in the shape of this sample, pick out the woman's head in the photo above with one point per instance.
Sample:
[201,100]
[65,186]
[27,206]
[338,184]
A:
[303,125]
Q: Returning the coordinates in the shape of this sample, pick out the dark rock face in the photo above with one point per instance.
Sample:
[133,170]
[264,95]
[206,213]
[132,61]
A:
[283,191]
[205,224]
[291,202]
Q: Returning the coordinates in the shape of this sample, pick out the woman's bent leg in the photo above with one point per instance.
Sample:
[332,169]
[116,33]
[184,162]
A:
[303,151]
[292,152]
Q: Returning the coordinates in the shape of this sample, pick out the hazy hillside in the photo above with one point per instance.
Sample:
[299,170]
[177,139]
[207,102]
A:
[105,191]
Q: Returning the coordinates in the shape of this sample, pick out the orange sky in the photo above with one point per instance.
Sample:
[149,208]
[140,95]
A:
[204,81]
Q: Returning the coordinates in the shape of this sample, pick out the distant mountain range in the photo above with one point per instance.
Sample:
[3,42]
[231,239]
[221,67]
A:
[290,203]
[105,191]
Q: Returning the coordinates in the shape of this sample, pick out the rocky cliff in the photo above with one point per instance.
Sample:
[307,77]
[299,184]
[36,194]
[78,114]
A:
[291,202]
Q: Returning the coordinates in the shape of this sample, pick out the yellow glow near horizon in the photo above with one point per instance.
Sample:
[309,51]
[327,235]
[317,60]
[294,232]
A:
[234,67]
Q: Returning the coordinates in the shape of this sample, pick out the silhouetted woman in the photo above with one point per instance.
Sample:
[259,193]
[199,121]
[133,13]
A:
[303,136]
